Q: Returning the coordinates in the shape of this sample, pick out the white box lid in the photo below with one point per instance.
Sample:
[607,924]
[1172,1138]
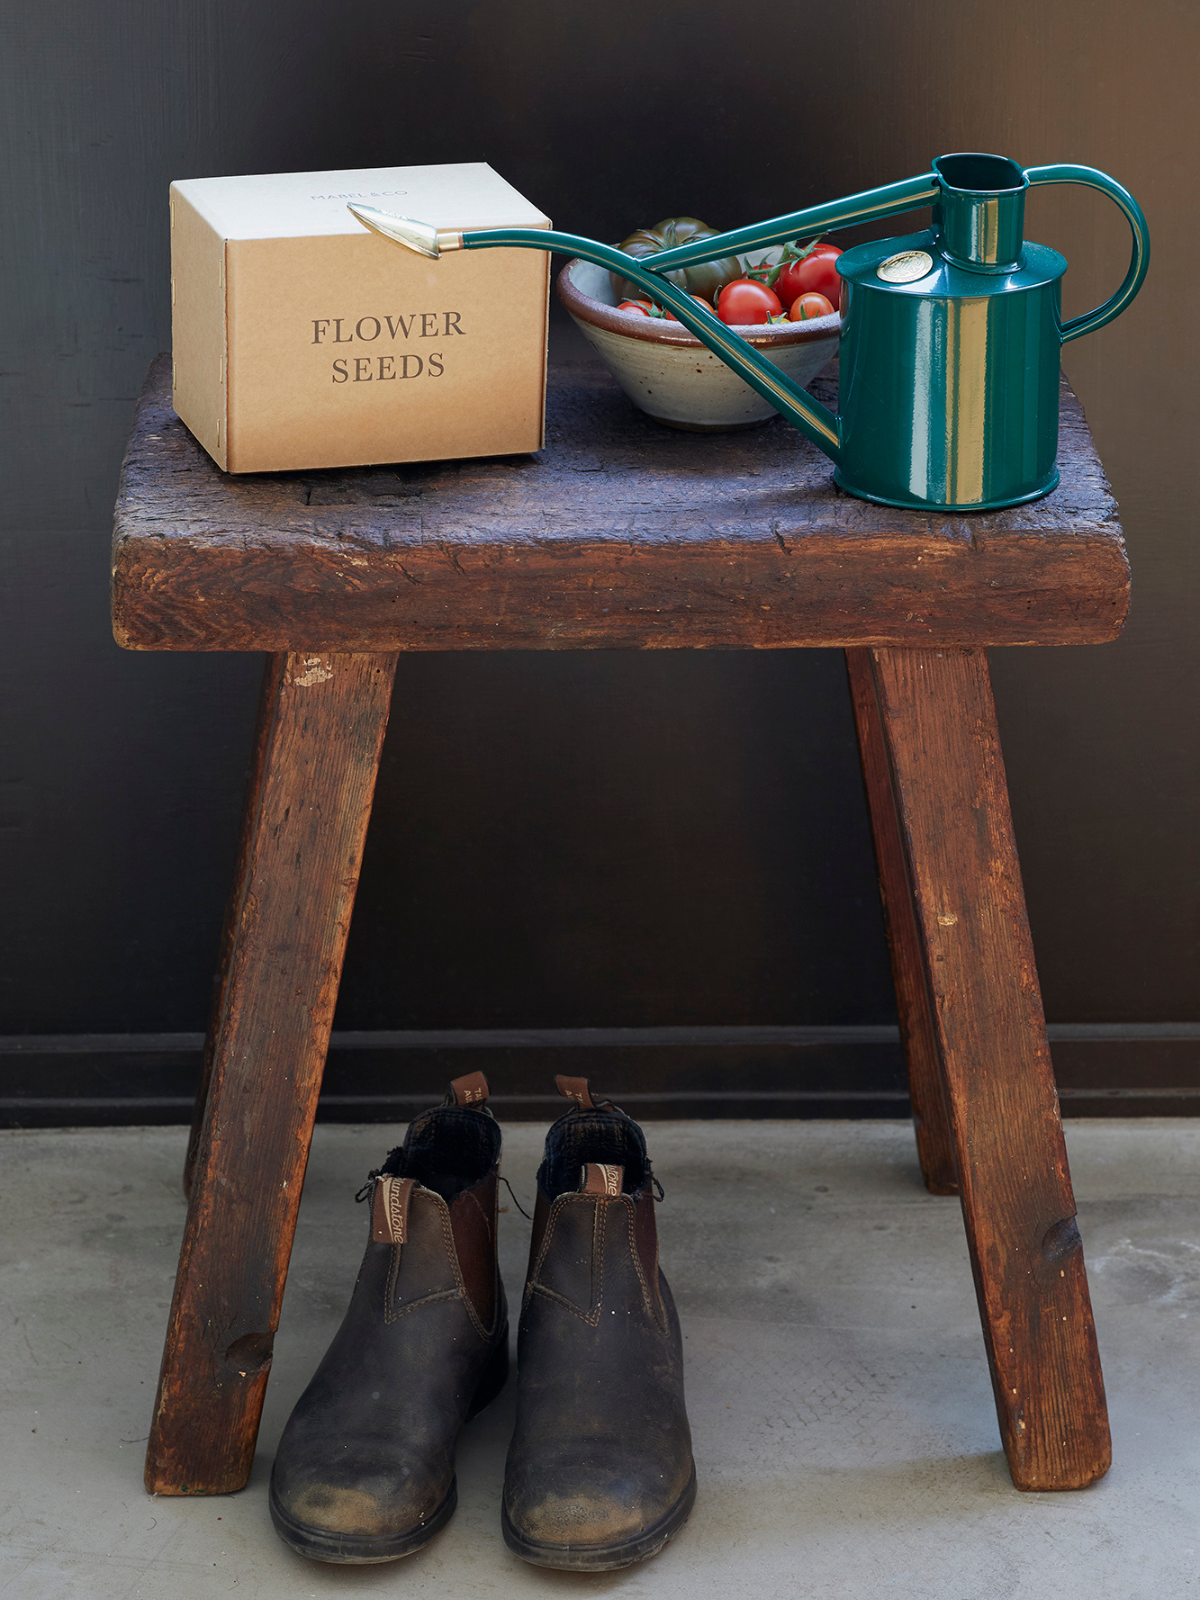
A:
[303,205]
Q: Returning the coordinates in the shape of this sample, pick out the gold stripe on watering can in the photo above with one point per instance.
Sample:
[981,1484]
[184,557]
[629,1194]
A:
[966,391]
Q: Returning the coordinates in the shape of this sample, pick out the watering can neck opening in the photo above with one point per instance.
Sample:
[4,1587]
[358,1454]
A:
[979,214]
[990,269]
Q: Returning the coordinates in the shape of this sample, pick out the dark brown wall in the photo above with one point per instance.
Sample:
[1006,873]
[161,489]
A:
[575,840]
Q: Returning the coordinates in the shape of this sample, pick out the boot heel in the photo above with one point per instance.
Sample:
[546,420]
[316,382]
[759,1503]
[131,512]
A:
[493,1378]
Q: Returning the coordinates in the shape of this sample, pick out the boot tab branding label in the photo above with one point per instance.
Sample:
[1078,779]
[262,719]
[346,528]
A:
[389,1210]
[471,1090]
[575,1089]
[599,1177]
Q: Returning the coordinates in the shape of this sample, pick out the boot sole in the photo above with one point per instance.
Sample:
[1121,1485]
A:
[369,1549]
[603,1557]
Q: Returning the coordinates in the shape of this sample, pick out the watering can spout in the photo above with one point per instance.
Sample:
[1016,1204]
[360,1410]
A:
[809,416]
[812,419]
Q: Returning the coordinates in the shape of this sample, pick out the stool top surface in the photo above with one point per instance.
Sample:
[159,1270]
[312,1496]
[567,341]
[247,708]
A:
[621,533]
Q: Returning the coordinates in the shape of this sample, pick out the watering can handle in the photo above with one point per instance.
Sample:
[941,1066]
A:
[1139,260]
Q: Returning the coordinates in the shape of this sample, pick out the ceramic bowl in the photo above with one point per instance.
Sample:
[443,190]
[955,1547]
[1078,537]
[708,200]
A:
[666,371]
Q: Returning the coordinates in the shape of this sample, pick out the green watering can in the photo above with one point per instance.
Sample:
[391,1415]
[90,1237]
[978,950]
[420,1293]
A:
[949,355]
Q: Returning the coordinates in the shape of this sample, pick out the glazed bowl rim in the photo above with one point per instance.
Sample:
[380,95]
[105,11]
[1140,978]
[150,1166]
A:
[659,331]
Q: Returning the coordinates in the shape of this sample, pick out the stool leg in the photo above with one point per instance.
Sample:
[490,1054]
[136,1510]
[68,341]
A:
[935,1148]
[268,702]
[939,725]
[321,729]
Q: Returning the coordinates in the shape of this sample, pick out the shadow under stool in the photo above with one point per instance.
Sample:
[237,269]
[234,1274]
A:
[620,535]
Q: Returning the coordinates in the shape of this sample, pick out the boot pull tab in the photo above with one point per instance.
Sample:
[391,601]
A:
[469,1090]
[599,1177]
[389,1210]
[575,1089]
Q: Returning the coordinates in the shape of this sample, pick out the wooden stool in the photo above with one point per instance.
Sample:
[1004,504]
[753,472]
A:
[620,535]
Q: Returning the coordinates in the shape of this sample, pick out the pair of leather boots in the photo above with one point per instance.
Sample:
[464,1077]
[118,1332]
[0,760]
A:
[600,1470]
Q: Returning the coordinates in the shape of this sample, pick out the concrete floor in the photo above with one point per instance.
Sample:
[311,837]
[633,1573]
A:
[843,1421]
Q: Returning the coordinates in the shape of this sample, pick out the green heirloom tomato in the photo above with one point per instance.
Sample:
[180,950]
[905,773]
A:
[705,279]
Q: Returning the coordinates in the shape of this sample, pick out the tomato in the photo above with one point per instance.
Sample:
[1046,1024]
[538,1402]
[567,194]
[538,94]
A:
[743,302]
[816,274]
[642,306]
[698,298]
[705,278]
[807,306]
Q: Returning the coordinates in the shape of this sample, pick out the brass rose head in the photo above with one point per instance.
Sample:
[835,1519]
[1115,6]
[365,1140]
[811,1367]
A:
[422,237]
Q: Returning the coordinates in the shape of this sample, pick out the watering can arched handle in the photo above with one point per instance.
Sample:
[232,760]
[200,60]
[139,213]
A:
[1090,178]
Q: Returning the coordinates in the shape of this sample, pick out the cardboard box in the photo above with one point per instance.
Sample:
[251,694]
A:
[303,340]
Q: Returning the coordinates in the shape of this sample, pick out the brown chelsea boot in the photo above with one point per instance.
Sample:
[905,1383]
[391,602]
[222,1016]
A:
[600,1470]
[365,1468]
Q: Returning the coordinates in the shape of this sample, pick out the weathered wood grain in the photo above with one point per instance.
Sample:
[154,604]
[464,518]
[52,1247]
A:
[268,710]
[620,534]
[935,1148]
[943,748]
[320,734]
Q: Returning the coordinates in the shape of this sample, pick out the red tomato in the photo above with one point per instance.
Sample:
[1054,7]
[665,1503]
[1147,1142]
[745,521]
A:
[698,298]
[816,274]
[743,301]
[635,305]
[807,306]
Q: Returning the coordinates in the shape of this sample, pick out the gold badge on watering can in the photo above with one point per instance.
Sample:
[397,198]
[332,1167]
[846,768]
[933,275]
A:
[907,267]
